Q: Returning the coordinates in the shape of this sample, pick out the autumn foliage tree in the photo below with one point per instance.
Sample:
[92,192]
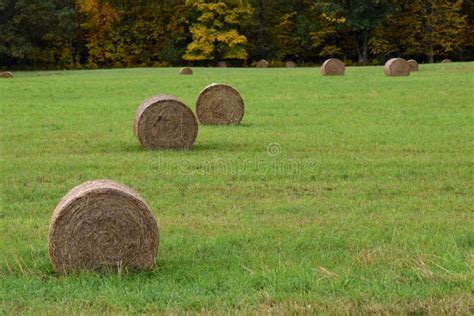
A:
[99,20]
[215,32]
[421,28]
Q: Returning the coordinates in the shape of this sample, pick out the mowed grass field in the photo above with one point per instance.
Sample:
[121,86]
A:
[335,195]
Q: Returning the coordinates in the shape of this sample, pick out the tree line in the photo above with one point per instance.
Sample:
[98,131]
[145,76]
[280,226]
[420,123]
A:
[71,34]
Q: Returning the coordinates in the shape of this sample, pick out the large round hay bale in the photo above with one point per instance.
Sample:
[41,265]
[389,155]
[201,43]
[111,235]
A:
[413,65]
[262,63]
[333,67]
[397,67]
[102,225]
[219,104]
[445,61]
[185,71]
[222,64]
[6,74]
[290,64]
[164,122]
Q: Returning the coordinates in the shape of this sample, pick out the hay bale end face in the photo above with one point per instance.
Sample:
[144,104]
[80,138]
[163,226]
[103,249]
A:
[446,61]
[186,71]
[333,67]
[102,225]
[6,74]
[397,67]
[222,64]
[290,64]
[219,104]
[413,65]
[164,122]
[262,63]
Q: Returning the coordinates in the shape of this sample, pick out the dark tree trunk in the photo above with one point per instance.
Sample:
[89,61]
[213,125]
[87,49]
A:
[431,52]
[360,41]
[261,27]
[357,46]
[365,55]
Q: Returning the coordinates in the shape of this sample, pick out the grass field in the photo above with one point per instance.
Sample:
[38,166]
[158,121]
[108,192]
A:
[336,194]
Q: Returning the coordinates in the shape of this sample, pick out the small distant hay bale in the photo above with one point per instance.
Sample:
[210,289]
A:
[222,64]
[262,63]
[6,74]
[186,71]
[102,225]
[333,67]
[446,61]
[397,67]
[164,122]
[413,65]
[219,104]
[290,64]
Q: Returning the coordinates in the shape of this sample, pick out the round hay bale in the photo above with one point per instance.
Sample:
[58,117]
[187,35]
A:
[397,67]
[445,61]
[333,67]
[290,64]
[6,74]
[102,225]
[222,64]
[186,71]
[219,104]
[413,65]
[164,122]
[262,63]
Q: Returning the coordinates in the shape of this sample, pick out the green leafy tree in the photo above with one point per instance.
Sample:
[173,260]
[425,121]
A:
[293,29]
[362,17]
[37,33]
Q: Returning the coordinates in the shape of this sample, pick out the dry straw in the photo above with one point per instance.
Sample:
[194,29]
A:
[222,64]
[219,104]
[164,122]
[102,225]
[262,63]
[413,65]
[333,67]
[397,67]
[290,64]
[186,71]
[6,74]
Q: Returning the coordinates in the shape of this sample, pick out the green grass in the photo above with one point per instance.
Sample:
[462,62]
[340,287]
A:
[367,204]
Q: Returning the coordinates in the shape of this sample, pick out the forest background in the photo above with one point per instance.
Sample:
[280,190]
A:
[75,34]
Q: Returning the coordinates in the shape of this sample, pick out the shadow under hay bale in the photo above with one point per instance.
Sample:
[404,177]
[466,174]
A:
[413,65]
[6,74]
[186,71]
[262,64]
[397,67]
[102,225]
[333,67]
[219,104]
[164,122]
[290,64]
